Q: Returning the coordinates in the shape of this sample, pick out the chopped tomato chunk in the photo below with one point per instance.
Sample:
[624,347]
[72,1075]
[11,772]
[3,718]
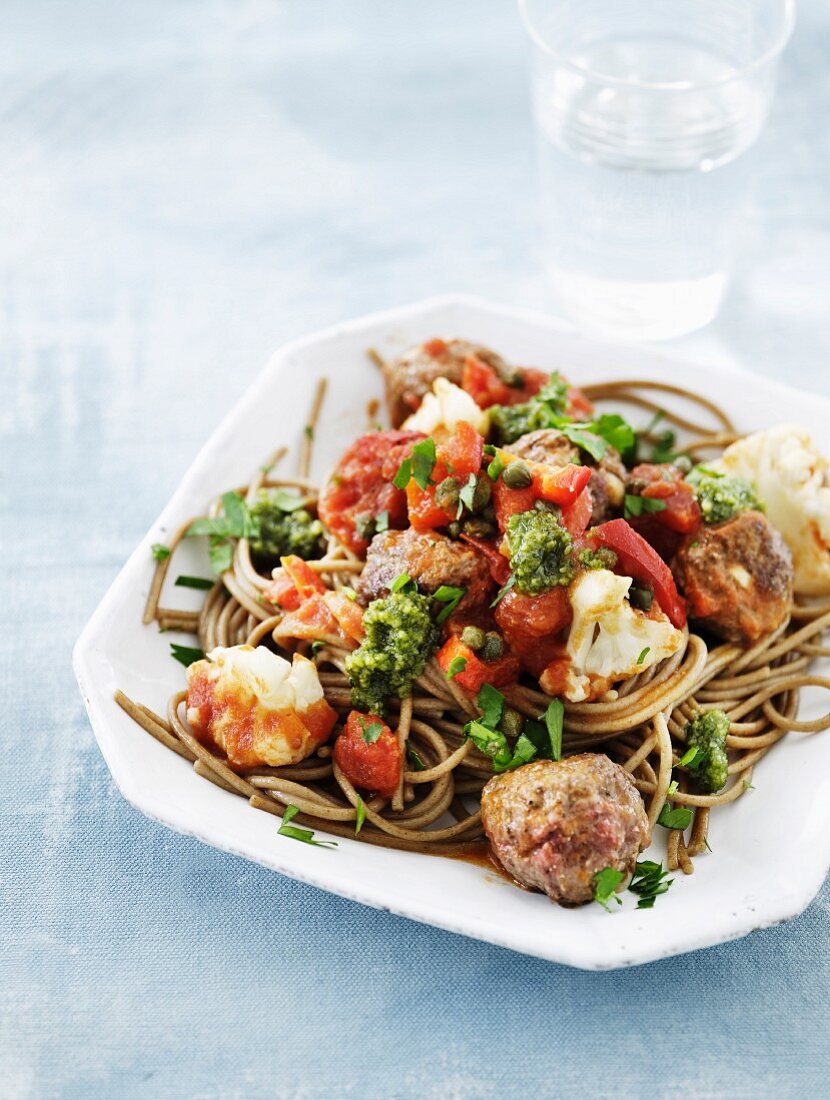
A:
[476,672]
[305,580]
[531,625]
[560,486]
[463,451]
[483,384]
[370,760]
[577,516]
[665,483]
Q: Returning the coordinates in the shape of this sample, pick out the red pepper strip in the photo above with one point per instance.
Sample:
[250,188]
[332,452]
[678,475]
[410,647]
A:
[636,559]
[476,672]
[577,516]
[306,581]
[498,563]
[559,486]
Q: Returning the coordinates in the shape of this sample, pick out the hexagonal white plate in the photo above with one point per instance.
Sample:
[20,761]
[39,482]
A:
[771,850]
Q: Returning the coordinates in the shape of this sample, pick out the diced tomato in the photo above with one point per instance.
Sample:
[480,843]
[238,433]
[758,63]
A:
[312,619]
[577,516]
[498,563]
[424,513]
[559,486]
[463,451]
[435,347]
[483,384]
[636,559]
[665,483]
[532,382]
[578,406]
[372,765]
[362,485]
[349,614]
[507,502]
[476,672]
[665,541]
[282,592]
[531,624]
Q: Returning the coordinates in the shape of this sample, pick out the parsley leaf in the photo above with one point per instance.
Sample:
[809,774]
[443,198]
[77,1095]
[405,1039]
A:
[308,431]
[490,742]
[403,583]
[382,520]
[649,881]
[691,757]
[457,664]
[186,655]
[678,818]
[468,492]
[401,478]
[414,759]
[295,833]
[491,704]
[371,731]
[360,815]
[554,717]
[451,597]
[220,552]
[638,506]
[194,582]
[159,551]
[316,646]
[504,590]
[285,501]
[643,654]
[423,462]
[606,882]
[235,522]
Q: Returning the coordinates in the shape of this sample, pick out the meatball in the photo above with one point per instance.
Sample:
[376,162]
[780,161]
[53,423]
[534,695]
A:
[553,824]
[737,577]
[411,376]
[430,559]
[607,483]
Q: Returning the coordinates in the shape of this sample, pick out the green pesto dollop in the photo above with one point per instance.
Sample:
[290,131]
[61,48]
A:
[708,733]
[541,551]
[399,639]
[720,498]
[601,558]
[278,532]
[508,422]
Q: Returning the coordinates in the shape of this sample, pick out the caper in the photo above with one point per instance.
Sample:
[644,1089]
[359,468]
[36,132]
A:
[493,646]
[454,529]
[474,637]
[517,476]
[511,722]
[640,598]
[446,493]
[478,528]
[482,494]
[682,462]
[489,513]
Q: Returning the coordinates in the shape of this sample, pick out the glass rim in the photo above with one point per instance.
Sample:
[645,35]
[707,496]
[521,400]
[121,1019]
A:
[771,52]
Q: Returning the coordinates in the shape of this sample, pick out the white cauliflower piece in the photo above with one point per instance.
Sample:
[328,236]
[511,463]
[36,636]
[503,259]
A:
[446,406]
[609,640]
[791,477]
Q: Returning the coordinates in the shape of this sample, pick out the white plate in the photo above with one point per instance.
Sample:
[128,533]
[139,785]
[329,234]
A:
[771,849]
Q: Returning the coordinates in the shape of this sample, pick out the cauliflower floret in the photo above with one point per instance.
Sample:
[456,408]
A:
[447,405]
[256,707]
[791,477]
[610,640]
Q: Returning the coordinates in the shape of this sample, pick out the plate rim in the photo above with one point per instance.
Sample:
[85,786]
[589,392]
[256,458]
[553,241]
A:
[141,797]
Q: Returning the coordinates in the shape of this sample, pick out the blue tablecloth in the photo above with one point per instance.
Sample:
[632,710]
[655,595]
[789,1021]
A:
[183,187]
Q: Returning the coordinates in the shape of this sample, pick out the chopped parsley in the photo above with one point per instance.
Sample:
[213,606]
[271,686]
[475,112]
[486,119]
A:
[678,818]
[511,580]
[159,551]
[371,731]
[360,815]
[451,597]
[194,582]
[402,583]
[457,664]
[554,719]
[639,506]
[649,881]
[495,468]
[414,759]
[536,740]
[467,493]
[304,835]
[643,654]
[235,522]
[186,655]
[606,882]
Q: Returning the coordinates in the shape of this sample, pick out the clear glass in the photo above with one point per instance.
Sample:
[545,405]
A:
[643,110]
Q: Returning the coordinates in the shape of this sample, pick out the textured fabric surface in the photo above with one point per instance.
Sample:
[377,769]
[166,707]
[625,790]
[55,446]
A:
[182,187]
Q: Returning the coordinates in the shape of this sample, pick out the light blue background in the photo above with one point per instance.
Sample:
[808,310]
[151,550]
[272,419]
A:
[183,186]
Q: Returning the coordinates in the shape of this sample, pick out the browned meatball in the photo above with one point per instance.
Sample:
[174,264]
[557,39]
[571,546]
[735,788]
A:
[737,577]
[411,376]
[430,559]
[607,483]
[553,824]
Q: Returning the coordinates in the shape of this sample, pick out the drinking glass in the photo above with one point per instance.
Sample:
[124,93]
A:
[643,110]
